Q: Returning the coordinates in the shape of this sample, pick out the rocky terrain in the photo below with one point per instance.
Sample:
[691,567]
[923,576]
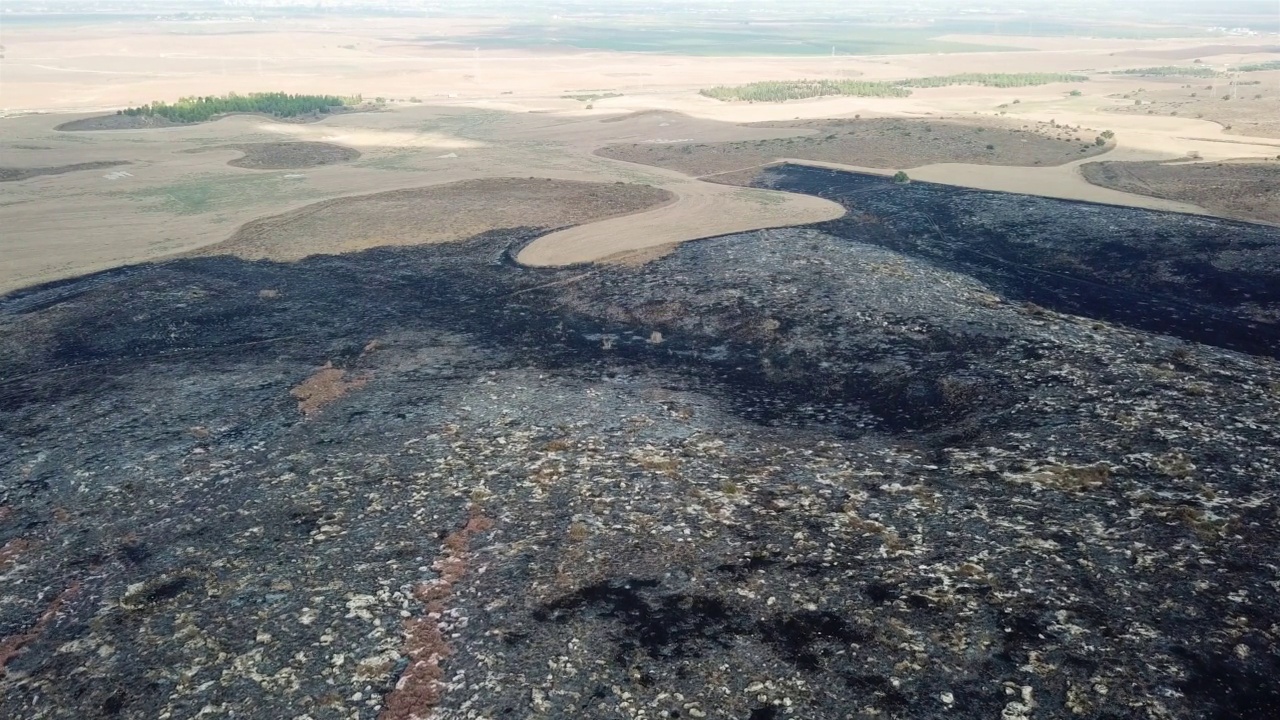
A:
[842,471]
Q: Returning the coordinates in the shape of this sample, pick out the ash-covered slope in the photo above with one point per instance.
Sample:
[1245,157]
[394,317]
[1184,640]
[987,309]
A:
[1204,279]
[778,474]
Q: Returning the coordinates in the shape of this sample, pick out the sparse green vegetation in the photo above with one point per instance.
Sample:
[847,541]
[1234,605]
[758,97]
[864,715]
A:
[996,80]
[1260,67]
[1170,71]
[901,178]
[201,108]
[783,90]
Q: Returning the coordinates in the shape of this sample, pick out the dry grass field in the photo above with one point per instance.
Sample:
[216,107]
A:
[889,143]
[451,116]
[440,213]
[1249,190]
[1246,105]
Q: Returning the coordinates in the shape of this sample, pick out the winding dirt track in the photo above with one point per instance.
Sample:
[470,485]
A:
[700,210]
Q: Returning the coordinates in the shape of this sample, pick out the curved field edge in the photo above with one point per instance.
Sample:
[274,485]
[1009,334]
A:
[432,214]
[701,210]
[888,143]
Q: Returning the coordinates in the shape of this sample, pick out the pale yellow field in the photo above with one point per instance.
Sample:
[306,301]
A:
[481,114]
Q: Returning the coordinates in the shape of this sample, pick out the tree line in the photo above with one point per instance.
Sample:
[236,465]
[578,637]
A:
[1170,71]
[996,80]
[1260,67]
[198,108]
[782,90]
[779,90]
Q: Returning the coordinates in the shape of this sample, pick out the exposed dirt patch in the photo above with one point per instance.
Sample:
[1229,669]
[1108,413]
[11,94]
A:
[324,387]
[12,174]
[12,550]
[421,687]
[13,645]
[880,143]
[1248,190]
[289,155]
[439,213]
[633,116]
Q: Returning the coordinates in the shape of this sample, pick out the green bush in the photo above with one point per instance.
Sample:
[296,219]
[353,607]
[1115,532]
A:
[901,178]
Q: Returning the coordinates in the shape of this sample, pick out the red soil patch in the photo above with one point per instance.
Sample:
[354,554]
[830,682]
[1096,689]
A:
[11,646]
[419,690]
[324,387]
[11,550]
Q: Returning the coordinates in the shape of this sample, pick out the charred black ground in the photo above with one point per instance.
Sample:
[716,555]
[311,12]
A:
[824,472]
[1198,278]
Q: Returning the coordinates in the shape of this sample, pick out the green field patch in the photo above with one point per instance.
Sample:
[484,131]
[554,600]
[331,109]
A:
[202,194]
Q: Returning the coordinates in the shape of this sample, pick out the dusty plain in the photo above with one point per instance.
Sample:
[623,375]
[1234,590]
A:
[454,115]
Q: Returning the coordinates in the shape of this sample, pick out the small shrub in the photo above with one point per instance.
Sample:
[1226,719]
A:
[901,178]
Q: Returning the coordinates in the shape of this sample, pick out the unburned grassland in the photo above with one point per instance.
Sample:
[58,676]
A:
[878,143]
[434,214]
[1245,190]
